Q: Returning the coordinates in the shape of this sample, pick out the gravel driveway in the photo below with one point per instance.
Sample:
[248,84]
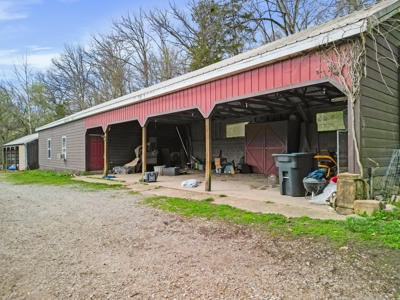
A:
[65,243]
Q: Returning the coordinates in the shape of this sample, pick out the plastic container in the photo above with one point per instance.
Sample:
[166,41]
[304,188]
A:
[159,170]
[292,170]
[172,171]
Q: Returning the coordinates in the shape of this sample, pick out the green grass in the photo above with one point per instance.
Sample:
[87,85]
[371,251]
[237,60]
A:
[54,178]
[269,202]
[375,230]
[133,192]
[223,195]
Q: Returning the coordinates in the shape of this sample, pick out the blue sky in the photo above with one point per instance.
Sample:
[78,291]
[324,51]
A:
[40,28]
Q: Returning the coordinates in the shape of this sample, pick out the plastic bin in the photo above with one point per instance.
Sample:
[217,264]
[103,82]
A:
[172,171]
[159,169]
[292,170]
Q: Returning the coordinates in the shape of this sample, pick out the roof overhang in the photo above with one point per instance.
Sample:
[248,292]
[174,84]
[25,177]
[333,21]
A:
[23,140]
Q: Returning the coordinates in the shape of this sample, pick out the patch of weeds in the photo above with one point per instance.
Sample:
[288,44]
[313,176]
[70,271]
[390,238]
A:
[133,192]
[372,230]
[223,195]
[208,199]
[157,187]
[269,202]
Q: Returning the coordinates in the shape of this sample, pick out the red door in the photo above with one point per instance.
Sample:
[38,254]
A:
[263,140]
[96,152]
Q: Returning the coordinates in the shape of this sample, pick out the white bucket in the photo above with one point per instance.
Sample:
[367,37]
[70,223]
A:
[159,170]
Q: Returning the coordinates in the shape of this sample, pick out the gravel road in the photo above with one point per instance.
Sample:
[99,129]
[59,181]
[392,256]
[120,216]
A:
[65,243]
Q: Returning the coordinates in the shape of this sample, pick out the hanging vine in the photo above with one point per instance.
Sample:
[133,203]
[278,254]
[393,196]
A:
[345,62]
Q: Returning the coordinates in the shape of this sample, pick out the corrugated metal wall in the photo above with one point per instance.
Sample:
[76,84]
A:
[292,71]
[379,119]
[33,155]
[123,138]
[75,133]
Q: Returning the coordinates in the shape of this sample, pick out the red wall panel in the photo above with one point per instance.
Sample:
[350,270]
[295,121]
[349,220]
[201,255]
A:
[280,74]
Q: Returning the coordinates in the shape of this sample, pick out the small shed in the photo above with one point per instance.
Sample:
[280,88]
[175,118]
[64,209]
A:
[22,152]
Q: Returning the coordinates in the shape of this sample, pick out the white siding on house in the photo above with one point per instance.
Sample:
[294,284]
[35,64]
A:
[75,147]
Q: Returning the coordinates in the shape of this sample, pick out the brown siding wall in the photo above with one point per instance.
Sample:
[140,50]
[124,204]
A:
[379,121]
[75,133]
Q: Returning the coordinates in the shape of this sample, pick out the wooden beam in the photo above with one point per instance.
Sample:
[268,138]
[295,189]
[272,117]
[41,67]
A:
[144,150]
[208,154]
[105,168]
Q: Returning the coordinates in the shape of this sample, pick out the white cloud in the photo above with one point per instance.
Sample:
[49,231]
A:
[42,61]
[7,52]
[14,9]
[39,61]
[37,48]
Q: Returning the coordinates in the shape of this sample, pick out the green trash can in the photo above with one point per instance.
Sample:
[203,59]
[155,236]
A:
[292,170]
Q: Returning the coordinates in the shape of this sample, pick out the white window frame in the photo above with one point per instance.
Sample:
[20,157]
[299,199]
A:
[48,148]
[64,146]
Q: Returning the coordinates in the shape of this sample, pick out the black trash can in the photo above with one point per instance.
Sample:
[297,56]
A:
[292,170]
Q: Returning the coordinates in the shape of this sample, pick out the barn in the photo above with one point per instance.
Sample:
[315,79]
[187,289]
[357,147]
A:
[246,108]
[22,153]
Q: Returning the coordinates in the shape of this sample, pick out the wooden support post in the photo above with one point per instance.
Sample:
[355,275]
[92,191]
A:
[208,155]
[105,170]
[144,150]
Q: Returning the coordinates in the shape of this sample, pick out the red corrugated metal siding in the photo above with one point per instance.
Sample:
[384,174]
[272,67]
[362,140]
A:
[284,73]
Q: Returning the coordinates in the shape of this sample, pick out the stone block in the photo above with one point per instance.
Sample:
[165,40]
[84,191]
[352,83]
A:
[344,211]
[350,187]
[367,206]
[349,176]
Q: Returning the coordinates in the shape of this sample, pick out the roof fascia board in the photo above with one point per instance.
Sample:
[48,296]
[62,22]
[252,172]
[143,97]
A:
[385,14]
[251,62]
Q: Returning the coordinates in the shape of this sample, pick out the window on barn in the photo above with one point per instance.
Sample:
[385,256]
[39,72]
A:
[64,146]
[235,130]
[330,121]
[49,148]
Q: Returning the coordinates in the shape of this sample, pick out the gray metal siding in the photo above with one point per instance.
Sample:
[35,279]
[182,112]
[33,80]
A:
[232,148]
[380,103]
[123,138]
[76,145]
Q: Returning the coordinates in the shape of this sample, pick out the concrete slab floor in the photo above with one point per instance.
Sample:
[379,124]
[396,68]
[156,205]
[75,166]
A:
[246,191]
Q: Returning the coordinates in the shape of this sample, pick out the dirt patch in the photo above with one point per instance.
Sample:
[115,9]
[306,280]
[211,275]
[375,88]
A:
[60,242]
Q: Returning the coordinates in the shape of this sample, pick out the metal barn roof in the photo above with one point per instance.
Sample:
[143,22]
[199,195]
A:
[290,46]
[23,140]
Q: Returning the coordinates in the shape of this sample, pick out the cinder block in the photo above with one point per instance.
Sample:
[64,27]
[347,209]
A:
[367,206]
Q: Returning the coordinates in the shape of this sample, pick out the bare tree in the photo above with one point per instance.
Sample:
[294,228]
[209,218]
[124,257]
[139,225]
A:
[23,102]
[131,33]
[212,30]
[111,68]
[72,74]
